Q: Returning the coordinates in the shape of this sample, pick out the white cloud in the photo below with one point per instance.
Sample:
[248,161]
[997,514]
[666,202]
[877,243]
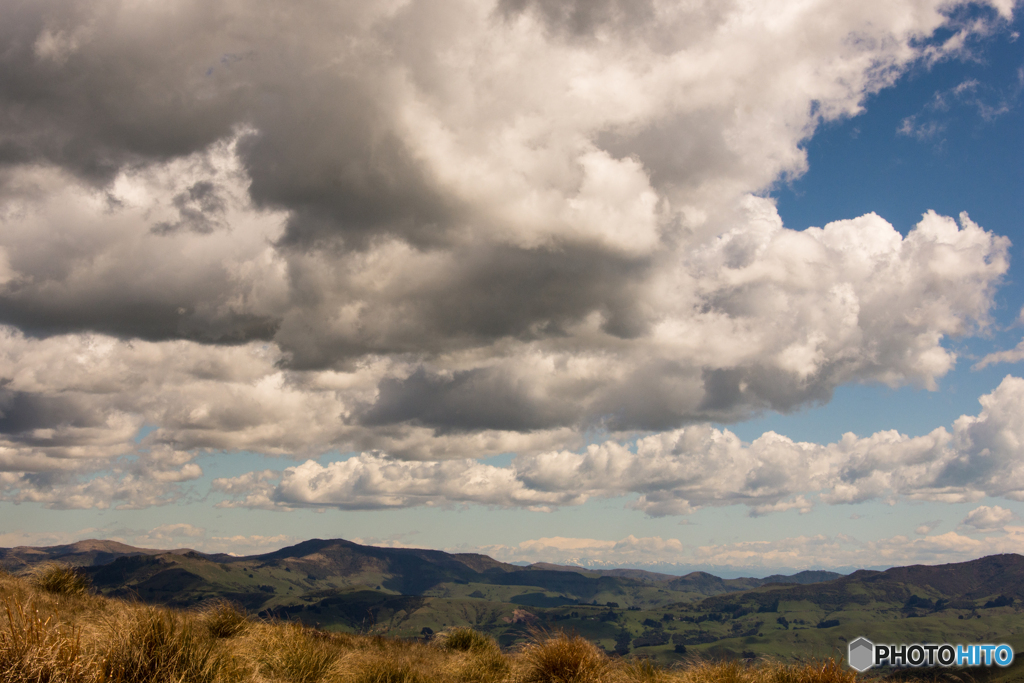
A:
[368,482]
[986,518]
[149,476]
[1014,355]
[677,472]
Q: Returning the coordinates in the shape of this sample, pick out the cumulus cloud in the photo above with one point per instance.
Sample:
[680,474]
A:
[779,331]
[441,229]
[677,472]
[142,480]
[986,518]
[371,482]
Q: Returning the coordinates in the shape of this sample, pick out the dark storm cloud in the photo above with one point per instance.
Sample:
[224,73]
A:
[661,395]
[132,314]
[343,175]
[467,401]
[655,396]
[23,414]
[764,387]
[200,210]
[535,293]
[91,87]
[485,295]
[94,88]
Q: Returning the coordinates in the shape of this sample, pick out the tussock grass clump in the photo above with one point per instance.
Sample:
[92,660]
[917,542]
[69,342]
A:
[389,670]
[152,645]
[464,640]
[724,672]
[560,658]
[293,653]
[60,579]
[643,671]
[483,666]
[815,671]
[37,650]
[223,619]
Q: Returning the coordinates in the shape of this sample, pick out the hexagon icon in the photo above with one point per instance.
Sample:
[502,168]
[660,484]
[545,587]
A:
[861,654]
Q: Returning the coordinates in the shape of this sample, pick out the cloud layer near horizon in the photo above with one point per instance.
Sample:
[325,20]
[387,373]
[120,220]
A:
[437,230]
[680,471]
[761,557]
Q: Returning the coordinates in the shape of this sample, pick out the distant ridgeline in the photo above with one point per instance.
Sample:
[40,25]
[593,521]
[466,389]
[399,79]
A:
[338,585]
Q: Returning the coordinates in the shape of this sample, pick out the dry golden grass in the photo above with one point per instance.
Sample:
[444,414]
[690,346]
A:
[561,658]
[223,619]
[824,671]
[292,653]
[66,635]
[36,649]
[462,639]
[59,578]
[157,645]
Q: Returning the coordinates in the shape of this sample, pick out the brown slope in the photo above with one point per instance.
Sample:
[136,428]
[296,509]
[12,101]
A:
[635,574]
[974,580]
[409,570]
[88,553]
[992,575]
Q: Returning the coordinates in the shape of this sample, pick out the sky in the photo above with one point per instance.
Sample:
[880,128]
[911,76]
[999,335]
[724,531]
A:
[729,285]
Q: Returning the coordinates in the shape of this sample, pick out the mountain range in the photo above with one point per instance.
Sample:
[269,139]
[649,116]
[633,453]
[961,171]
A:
[116,567]
[405,592]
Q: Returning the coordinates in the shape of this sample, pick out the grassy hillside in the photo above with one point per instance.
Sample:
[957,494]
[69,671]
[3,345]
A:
[53,629]
[343,587]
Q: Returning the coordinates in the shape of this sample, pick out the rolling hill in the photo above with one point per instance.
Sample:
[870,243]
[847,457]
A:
[340,585]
